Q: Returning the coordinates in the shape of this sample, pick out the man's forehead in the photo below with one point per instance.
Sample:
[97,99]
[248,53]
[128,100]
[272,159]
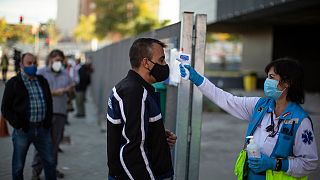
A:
[29,57]
[156,48]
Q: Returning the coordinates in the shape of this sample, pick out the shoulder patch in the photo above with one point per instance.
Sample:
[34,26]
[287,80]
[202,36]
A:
[307,137]
[260,109]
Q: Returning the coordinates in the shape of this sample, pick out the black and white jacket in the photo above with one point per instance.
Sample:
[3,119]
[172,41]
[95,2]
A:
[136,141]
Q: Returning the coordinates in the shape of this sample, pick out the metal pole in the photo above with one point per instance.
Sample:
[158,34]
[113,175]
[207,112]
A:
[36,41]
[183,101]
[196,113]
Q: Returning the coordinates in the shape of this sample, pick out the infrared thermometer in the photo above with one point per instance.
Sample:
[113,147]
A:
[185,59]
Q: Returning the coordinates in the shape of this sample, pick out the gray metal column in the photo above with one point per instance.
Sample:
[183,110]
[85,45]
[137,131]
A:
[196,113]
[182,121]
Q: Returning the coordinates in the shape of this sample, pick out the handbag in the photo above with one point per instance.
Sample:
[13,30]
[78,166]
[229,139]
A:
[241,166]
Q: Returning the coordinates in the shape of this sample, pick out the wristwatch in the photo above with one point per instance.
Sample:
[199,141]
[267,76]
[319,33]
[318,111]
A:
[278,164]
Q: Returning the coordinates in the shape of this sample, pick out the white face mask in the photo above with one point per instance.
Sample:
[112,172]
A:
[56,66]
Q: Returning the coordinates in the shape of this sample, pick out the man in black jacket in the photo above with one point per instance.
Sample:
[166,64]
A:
[137,143]
[27,105]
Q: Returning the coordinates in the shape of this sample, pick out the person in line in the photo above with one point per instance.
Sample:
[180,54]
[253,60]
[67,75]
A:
[60,84]
[17,59]
[4,66]
[70,69]
[137,142]
[27,105]
[81,88]
[280,127]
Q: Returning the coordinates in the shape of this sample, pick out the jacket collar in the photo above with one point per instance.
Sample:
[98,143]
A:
[137,77]
[24,77]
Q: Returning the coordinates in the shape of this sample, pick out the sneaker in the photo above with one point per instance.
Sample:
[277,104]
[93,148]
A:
[59,174]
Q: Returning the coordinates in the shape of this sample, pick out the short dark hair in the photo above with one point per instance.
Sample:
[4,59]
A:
[142,48]
[291,72]
[54,53]
[29,54]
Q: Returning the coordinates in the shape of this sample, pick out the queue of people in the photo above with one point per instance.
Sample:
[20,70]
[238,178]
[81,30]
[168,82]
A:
[27,105]
[138,144]
[35,103]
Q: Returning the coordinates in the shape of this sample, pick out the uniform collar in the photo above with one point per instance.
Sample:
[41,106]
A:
[145,84]
[287,113]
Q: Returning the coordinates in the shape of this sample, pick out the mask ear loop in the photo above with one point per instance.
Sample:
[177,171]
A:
[282,81]
[151,62]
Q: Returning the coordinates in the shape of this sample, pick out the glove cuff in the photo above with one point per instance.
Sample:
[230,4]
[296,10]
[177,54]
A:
[199,80]
[285,165]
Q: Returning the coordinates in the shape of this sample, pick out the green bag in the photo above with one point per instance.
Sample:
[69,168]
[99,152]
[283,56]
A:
[280,175]
[241,168]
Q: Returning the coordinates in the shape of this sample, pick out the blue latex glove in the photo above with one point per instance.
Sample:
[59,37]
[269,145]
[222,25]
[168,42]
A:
[194,77]
[264,163]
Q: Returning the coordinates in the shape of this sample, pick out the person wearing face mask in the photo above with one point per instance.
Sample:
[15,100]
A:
[60,84]
[281,128]
[27,105]
[138,146]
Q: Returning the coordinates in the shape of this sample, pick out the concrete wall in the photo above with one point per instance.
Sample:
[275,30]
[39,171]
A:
[257,49]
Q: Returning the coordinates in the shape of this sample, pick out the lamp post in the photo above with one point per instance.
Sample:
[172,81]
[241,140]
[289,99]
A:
[35,32]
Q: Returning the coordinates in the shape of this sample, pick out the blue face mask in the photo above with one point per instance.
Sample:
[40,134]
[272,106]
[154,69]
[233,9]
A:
[271,89]
[30,70]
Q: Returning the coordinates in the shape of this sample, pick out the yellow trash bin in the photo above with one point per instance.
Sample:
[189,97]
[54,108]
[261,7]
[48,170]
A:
[250,81]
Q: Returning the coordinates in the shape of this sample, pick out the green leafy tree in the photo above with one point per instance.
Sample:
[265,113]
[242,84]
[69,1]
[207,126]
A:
[6,31]
[85,31]
[126,17]
[12,33]
[53,32]
[21,33]
[113,16]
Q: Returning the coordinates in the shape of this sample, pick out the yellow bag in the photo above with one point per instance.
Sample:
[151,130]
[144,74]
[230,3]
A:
[280,175]
[240,168]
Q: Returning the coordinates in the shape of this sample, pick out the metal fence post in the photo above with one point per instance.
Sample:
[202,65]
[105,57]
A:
[183,101]
[196,113]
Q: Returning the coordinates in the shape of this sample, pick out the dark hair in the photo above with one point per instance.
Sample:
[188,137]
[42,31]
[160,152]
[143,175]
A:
[291,72]
[54,53]
[142,48]
[29,54]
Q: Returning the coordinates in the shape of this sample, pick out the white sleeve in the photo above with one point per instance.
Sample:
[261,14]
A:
[304,150]
[240,107]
